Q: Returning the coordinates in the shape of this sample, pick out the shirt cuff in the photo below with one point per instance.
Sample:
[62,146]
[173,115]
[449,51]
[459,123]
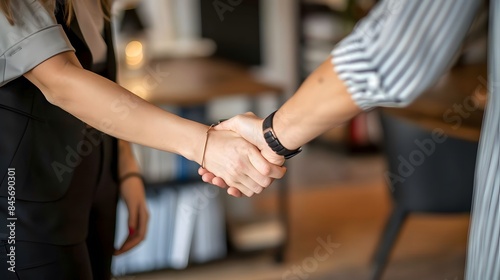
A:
[31,51]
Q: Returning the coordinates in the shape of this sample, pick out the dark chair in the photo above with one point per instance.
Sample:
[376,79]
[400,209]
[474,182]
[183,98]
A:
[439,182]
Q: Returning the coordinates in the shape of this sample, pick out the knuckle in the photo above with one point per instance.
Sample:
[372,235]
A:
[239,165]
[266,170]
[266,182]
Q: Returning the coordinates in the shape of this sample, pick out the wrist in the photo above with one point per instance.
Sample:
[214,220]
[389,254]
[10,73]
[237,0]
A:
[282,127]
[205,146]
[129,176]
[194,140]
[260,141]
[273,141]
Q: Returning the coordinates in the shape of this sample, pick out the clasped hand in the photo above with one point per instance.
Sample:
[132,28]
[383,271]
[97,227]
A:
[238,158]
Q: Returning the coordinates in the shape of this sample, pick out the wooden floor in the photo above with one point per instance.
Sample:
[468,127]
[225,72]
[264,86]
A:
[342,200]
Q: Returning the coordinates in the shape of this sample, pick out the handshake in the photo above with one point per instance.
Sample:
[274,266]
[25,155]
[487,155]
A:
[237,157]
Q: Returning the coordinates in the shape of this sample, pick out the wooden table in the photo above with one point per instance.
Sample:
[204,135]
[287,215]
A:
[187,82]
[455,104]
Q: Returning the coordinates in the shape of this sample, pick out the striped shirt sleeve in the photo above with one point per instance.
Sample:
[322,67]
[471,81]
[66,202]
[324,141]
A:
[401,48]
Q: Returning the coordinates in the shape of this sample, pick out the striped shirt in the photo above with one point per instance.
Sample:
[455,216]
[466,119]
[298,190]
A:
[400,49]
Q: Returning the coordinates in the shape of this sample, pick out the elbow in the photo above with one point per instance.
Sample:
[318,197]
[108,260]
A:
[53,78]
[56,86]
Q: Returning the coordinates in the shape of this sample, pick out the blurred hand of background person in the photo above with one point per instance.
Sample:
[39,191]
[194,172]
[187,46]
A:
[133,193]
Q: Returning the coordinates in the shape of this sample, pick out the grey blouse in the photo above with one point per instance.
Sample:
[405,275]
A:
[398,51]
[34,38]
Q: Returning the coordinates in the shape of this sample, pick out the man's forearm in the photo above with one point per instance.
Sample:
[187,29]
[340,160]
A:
[321,103]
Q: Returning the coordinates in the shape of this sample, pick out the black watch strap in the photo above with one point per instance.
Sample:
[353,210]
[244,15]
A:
[272,139]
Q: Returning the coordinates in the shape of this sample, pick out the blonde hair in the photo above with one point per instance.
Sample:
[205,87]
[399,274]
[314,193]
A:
[69,13]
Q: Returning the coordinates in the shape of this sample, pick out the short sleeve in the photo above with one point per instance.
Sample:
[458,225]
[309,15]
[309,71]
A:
[34,38]
[401,48]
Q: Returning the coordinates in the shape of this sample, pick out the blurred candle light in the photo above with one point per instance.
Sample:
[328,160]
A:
[134,49]
[134,54]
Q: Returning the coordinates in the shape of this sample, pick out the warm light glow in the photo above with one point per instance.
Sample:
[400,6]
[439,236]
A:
[134,54]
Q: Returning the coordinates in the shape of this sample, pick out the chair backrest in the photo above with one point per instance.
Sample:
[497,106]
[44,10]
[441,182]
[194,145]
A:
[425,172]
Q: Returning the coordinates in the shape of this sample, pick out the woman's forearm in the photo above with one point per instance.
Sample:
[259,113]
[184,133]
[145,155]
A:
[114,110]
[321,103]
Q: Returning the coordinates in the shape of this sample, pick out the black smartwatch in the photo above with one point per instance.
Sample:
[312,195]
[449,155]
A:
[272,140]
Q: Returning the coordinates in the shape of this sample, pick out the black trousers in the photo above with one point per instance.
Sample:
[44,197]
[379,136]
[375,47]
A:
[88,259]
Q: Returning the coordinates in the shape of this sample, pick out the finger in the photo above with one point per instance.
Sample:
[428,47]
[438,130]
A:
[130,243]
[239,187]
[131,240]
[133,216]
[125,247]
[212,179]
[250,114]
[265,170]
[202,171]
[248,186]
[225,125]
[208,178]
[138,236]
[234,192]
[143,223]
[219,182]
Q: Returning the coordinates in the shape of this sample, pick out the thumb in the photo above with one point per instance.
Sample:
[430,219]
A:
[225,125]
[234,122]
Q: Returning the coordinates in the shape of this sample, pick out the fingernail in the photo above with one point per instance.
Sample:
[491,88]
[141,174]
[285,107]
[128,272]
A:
[131,231]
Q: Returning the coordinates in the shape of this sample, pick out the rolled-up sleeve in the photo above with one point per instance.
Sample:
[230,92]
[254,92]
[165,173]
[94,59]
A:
[400,49]
[34,37]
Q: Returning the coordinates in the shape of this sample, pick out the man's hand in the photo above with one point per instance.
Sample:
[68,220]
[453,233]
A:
[248,126]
